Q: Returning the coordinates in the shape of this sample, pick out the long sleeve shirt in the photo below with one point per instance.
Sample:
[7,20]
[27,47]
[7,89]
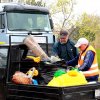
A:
[88,60]
[66,51]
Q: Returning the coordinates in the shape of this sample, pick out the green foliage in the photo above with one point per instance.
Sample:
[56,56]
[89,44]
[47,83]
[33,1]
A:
[32,2]
[64,8]
[61,6]
[87,26]
[98,56]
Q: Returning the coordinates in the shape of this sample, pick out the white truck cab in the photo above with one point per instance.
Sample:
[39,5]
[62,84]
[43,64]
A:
[17,20]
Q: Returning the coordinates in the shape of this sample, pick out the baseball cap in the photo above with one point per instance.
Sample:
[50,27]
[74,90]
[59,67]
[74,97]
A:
[63,33]
[81,41]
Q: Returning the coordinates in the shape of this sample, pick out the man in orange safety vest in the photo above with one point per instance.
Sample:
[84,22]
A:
[86,61]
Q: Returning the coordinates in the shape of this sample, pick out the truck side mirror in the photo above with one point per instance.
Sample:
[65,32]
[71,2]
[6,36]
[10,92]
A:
[51,23]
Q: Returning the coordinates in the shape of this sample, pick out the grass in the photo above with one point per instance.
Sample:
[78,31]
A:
[98,56]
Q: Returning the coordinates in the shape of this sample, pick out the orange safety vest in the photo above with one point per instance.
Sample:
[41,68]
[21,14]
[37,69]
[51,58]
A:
[93,70]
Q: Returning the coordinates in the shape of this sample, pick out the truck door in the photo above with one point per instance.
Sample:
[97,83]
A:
[3,37]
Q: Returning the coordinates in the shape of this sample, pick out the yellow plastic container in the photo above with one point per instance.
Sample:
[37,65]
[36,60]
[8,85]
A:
[71,78]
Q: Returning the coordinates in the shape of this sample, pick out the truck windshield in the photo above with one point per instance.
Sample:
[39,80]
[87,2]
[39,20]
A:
[28,22]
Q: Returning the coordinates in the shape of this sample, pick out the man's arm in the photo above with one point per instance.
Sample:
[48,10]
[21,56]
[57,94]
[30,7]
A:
[55,49]
[76,53]
[75,50]
[73,62]
[87,61]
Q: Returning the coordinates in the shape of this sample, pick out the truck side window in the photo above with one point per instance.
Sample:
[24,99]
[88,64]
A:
[2,23]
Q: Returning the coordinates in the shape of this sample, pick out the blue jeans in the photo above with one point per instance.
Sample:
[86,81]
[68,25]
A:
[92,78]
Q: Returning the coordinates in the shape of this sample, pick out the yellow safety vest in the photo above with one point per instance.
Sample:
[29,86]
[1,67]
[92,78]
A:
[94,70]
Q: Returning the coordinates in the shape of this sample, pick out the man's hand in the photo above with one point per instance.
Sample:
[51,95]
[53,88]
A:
[63,63]
[54,59]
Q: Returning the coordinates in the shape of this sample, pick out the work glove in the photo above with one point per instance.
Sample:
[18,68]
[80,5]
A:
[54,59]
[58,61]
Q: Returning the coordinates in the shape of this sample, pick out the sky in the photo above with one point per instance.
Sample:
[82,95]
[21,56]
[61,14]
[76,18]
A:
[89,6]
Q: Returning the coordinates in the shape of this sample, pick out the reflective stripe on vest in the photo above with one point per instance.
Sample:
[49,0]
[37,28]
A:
[94,67]
[91,72]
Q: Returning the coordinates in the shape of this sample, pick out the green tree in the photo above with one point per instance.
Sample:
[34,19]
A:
[87,26]
[63,8]
[33,2]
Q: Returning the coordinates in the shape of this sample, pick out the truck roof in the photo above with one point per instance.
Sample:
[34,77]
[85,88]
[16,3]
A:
[7,7]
